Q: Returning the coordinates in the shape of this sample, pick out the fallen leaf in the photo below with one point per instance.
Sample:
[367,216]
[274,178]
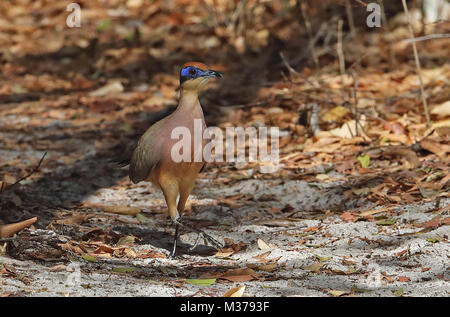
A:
[348,129]
[126,241]
[442,110]
[336,114]
[434,223]
[399,292]
[433,240]
[364,160]
[269,267]
[263,245]
[124,269]
[337,293]
[112,87]
[74,220]
[13,228]
[403,279]
[235,292]
[239,275]
[201,282]
[313,267]
[122,210]
[88,257]
[387,222]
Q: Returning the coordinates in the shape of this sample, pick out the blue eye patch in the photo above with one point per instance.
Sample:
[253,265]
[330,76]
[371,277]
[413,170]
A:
[190,72]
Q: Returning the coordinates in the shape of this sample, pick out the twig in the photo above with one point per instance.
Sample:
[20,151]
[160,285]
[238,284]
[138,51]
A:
[362,3]
[351,22]
[308,30]
[292,70]
[416,57]
[355,102]
[427,37]
[288,229]
[340,51]
[29,174]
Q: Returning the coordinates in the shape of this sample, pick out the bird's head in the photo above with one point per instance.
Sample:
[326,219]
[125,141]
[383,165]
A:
[195,75]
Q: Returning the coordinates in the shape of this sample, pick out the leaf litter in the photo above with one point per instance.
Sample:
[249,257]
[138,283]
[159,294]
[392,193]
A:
[368,184]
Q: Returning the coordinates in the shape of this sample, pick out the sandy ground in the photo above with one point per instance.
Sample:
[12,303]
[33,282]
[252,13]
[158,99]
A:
[321,255]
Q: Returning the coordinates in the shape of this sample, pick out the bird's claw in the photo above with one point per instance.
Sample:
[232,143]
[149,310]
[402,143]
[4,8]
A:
[206,236]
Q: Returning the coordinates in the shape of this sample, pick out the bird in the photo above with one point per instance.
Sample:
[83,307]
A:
[152,158]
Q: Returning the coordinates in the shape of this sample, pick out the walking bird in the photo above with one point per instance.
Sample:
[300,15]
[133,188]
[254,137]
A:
[152,158]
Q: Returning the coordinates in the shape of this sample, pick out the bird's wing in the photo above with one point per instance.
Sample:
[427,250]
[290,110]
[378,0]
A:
[147,153]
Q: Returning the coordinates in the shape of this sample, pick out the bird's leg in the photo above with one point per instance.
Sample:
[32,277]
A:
[211,240]
[175,240]
[170,191]
[184,194]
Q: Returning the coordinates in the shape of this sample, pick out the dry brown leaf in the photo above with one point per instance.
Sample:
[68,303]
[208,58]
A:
[74,220]
[262,245]
[349,129]
[435,147]
[13,228]
[235,292]
[122,210]
[239,275]
[434,223]
[336,114]
[269,267]
[403,279]
[151,254]
[442,110]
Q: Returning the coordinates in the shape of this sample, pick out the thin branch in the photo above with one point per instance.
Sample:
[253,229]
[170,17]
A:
[340,51]
[29,174]
[427,37]
[416,57]
[308,30]
[351,21]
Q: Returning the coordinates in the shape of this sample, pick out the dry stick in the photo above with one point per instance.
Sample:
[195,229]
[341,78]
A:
[351,22]
[308,30]
[292,70]
[416,57]
[362,3]
[340,52]
[386,25]
[427,37]
[355,99]
[31,173]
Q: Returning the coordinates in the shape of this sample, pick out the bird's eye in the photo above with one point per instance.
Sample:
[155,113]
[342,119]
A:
[192,71]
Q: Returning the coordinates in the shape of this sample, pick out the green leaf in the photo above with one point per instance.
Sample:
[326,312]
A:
[313,267]
[124,269]
[103,25]
[336,293]
[433,240]
[320,258]
[141,218]
[88,257]
[399,292]
[201,282]
[364,160]
[388,222]
[128,240]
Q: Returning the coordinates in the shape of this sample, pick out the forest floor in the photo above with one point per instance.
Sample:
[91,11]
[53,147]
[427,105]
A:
[359,208]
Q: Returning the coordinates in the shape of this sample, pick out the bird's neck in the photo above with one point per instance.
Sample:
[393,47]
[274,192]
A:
[188,100]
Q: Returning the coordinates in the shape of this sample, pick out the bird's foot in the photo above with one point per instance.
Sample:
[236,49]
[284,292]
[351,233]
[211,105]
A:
[206,236]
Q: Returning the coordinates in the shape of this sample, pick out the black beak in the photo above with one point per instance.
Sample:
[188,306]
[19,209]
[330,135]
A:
[212,73]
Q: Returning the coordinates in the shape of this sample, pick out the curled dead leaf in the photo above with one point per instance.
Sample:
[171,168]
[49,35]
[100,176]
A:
[123,210]
[235,292]
[13,228]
